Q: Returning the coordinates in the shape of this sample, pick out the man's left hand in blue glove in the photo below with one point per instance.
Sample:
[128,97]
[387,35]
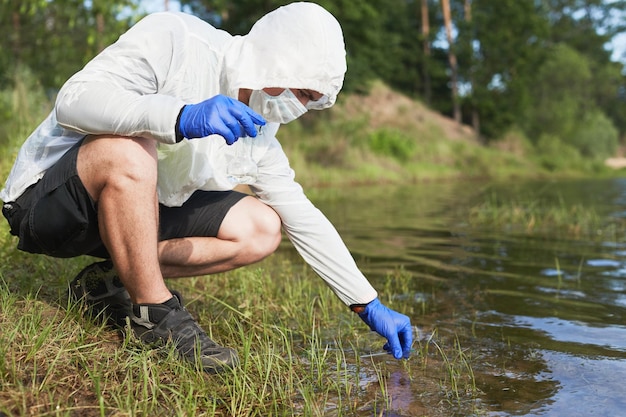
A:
[219,115]
[393,326]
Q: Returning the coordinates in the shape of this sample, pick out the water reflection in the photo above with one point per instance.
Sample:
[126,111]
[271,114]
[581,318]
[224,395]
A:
[547,312]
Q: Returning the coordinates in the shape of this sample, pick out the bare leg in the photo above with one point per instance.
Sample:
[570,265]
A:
[120,174]
[249,232]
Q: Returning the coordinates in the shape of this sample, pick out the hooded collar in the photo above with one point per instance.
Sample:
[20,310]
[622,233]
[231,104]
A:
[295,46]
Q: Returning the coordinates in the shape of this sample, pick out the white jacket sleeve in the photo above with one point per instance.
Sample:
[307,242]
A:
[120,91]
[312,234]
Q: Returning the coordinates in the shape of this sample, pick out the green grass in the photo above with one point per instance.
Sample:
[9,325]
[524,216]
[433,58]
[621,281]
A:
[302,351]
[537,216]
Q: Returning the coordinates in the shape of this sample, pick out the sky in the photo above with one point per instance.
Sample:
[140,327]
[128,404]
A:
[159,5]
[619,48]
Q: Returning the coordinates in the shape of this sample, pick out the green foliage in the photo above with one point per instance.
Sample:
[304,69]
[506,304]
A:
[506,45]
[56,38]
[586,25]
[609,92]
[555,155]
[507,41]
[22,107]
[564,107]
[595,137]
[606,84]
[393,143]
[560,93]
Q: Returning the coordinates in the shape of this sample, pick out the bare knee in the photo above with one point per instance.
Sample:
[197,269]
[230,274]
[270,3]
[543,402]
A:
[255,226]
[117,162]
[268,232]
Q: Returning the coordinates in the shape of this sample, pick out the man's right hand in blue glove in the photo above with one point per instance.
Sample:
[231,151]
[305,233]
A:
[219,115]
[393,326]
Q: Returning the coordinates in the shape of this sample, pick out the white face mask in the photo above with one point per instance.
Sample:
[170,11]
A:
[320,104]
[282,108]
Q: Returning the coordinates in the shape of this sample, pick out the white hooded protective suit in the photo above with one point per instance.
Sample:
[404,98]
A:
[138,85]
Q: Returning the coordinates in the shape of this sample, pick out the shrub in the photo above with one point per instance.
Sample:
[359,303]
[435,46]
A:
[23,105]
[392,143]
[561,94]
[554,155]
[596,136]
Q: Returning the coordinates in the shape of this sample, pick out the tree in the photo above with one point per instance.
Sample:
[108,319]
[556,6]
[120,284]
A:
[426,49]
[54,38]
[445,5]
[586,26]
[466,57]
[563,105]
[508,44]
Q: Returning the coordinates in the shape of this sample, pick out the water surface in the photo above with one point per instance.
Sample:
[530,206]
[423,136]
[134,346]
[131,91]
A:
[542,313]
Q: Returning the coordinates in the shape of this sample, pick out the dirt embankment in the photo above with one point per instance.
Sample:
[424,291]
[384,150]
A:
[384,107]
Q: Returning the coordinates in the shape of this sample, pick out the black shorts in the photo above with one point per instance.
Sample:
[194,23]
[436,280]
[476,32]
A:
[57,217]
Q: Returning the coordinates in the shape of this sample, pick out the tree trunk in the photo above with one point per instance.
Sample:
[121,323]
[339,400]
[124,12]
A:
[16,44]
[456,109]
[475,115]
[426,46]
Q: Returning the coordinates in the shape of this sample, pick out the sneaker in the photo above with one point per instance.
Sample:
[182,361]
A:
[102,292]
[159,324]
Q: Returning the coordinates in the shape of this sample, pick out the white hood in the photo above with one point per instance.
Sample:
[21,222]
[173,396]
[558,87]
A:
[295,46]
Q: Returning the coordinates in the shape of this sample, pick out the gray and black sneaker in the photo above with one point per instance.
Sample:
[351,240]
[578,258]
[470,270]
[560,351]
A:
[170,322]
[103,293]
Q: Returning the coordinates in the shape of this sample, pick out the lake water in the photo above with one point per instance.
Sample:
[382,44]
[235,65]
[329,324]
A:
[541,315]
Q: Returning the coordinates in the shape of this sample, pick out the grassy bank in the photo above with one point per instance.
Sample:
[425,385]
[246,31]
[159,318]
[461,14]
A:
[302,352]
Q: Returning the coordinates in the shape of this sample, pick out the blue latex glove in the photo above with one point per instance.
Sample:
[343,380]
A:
[395,327]
[219,115]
